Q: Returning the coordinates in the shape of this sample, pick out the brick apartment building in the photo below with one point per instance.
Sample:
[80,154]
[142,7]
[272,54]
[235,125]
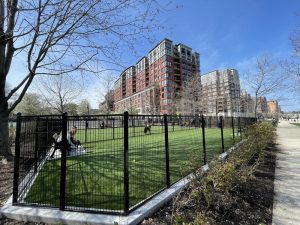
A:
[246,104]
[273,106]
[221,92]
[150,86]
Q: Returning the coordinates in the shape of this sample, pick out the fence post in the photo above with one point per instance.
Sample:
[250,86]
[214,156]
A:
[222,133]
[126,173]
[203,139]
[232,125]
[85,131]
[173,122]
[168,180]
[63,166]
[132,126]
[240,128]
[36,147]
[113,125]
[17,160]
[47,129]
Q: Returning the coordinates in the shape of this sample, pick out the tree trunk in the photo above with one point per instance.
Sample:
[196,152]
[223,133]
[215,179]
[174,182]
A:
[4,132]
[255,106]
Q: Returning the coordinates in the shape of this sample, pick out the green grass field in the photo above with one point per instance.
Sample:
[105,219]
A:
[296,124]
[95,179]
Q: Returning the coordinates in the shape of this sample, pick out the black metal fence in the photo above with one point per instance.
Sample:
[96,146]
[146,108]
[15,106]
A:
[123,160]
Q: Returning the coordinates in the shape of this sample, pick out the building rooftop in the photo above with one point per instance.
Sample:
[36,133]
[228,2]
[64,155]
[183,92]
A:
[125,70]
[220,70]
[165,39]
[140,59]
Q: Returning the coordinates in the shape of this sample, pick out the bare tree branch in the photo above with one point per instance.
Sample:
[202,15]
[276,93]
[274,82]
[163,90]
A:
[55,37]
[58,91]
[265,79]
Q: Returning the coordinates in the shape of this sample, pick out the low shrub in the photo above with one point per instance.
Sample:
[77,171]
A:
[213,190]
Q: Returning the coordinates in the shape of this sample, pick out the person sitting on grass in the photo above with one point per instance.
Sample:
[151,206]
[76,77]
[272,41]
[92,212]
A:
[72,142]
[147,129]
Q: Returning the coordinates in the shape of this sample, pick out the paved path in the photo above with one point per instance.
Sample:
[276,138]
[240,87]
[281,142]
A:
[286,206]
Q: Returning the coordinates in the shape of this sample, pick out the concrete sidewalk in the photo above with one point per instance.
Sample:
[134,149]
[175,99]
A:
[286,206]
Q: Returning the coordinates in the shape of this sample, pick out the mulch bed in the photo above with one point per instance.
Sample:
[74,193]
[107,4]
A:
[6,180]
[250,203]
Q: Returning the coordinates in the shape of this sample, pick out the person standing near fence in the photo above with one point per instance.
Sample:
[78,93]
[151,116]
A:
[147,128]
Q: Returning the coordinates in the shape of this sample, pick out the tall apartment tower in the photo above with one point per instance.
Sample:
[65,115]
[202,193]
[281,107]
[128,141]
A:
[150,86]
[221,92]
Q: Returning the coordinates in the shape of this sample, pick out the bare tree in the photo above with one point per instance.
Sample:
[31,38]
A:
[292,65]
[107,95]
[189,100]
[31,104]
[106,106]
[84,107]
[58,91]
[71,109]
[265,79]
[132,110]
[295,40]
[57,37]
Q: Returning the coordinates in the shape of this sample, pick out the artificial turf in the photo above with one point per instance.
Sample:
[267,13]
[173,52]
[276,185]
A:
[95,179]
[296,124]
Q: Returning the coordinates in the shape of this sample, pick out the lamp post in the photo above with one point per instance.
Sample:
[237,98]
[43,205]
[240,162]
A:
[88,109]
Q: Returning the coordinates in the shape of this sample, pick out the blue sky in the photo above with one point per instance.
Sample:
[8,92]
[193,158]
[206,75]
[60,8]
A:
[226,33]
[231,33]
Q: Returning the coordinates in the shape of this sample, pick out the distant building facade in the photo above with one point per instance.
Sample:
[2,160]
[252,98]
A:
[273,106]
[150,86]
[262,105]
[221,92]
[246,104]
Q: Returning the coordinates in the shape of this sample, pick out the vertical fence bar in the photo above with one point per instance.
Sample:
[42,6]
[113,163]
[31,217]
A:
[168,180]
[126,173]
[232,125]
[203,139]
[17,160]
[222,132]
[63,166]
[36,147]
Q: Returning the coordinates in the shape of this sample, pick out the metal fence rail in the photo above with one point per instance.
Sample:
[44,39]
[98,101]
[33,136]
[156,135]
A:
[123,160]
